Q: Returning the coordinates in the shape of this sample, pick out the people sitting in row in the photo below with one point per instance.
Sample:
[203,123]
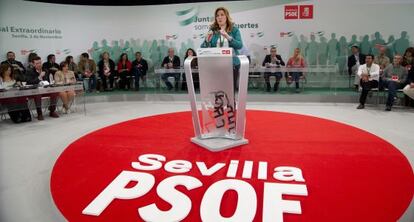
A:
[62,77]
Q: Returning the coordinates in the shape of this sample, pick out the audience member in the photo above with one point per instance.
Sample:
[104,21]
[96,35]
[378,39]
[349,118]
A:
[409,88]
[194,65]
[408,58]
[139,69]
[30,58]
[50,67]
[273,60]
[63,77]
[171,62]
[106,70]
[34,77]
[296,61]
[394,78]
[16,107]
[369,77]
[73,67]
[124,71]
[354,61]
[18,68]
[87,68]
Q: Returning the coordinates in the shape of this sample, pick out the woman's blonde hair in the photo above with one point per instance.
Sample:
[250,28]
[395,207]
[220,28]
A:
[229,21]
[299,57]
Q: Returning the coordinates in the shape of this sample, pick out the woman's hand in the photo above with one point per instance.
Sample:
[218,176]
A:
[225,35]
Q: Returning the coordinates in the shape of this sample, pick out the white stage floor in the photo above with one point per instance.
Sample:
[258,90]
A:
[29,151]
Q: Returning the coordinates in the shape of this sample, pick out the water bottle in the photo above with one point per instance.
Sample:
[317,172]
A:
[51,81]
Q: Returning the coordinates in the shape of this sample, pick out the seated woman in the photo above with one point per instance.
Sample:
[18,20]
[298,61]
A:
[194,65]
[17,107]
[124,68]
[296,61]
[106,71]
[65,76]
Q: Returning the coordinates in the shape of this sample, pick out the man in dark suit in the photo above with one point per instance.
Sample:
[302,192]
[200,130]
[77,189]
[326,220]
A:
[273,61]
[35,76]
[171,62]
[354,61]
[139,69]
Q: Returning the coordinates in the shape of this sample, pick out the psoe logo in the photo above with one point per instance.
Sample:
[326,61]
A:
[143,183]
[306,12]
[291,12]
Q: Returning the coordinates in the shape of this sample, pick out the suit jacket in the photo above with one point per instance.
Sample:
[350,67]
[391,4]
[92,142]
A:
[352,62]
[268,59]
[176,62]
[82,66]
[101,67]
[32,77]
[142,70]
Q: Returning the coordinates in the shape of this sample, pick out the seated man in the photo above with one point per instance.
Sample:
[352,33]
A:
[50,67]
[35,76]
[18,68]
[171,62]
[139,69]
[354,61]
[369,75]
[87,67]
[394,78]
[383,61]
[271,61]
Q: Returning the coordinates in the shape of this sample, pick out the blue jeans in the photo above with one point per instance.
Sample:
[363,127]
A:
[176,76]
[295,77]
[91,82]
[392,87]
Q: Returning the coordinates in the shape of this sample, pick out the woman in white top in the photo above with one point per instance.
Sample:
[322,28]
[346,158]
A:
[62,77]
[6,79]
[16,106]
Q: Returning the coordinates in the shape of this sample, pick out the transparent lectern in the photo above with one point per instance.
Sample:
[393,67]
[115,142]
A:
[222,123]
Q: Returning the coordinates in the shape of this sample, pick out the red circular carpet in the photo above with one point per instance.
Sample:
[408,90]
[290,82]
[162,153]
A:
[349,174]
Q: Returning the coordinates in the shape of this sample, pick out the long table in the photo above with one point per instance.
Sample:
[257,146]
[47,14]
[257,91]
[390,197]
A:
[16,93]
[309,69]
[13,93]
[257,72]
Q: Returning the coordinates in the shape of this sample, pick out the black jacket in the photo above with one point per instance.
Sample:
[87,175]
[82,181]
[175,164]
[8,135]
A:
[32,77]
[352,62]
[101,67]
[268,59]
[141,70]
[176,62]
[47,67]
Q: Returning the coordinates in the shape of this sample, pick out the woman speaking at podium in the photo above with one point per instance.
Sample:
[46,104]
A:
[223,33]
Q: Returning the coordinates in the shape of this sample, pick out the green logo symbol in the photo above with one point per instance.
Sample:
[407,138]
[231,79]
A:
[187,16]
